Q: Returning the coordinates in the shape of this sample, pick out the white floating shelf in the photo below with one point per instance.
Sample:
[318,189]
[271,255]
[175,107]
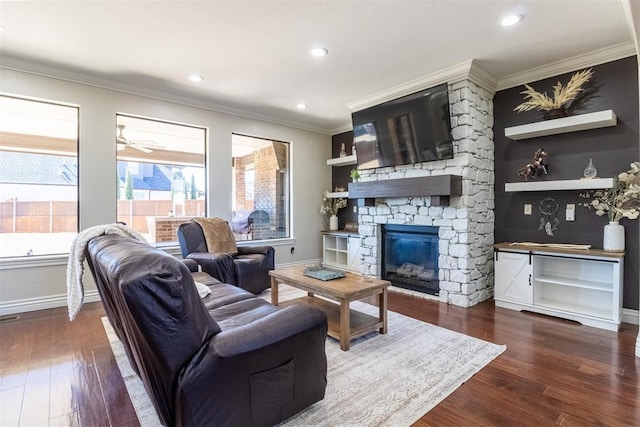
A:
[567,184]
[336,195]
[343,161]
[599,119]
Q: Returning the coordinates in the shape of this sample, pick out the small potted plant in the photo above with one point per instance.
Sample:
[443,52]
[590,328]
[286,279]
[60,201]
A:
[355,175]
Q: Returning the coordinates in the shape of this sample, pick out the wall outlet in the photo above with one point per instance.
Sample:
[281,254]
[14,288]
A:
[355,209]
[527,209]
[570,212]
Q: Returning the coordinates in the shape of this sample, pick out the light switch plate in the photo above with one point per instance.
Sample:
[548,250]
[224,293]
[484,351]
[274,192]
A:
[527,209]
[570,212]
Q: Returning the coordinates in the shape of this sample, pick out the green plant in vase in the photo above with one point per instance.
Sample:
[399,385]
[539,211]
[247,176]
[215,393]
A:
[355,175]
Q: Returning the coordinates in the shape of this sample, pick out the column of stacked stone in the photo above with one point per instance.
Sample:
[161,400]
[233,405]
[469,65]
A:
[466,227]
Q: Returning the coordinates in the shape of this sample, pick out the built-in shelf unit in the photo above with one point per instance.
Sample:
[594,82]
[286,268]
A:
[599,119]
[343,161]
[338,194]
[341,249]
[566,184]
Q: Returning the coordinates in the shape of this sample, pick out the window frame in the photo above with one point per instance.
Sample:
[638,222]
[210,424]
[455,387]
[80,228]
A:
[286,187]
[51,150]
[182,163]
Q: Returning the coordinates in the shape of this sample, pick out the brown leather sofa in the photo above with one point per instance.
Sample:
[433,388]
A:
[229,359]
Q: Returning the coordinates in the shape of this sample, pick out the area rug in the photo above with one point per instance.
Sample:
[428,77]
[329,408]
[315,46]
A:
[383,380]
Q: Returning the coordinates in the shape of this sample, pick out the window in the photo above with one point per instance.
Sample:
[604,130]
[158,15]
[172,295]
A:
[38,177]
[260,188]
[160,176]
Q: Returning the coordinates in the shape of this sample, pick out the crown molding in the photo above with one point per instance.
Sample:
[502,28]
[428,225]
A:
[482,77]
[467,70]
[345,127]
[597,57]
[14,64]
[632,16]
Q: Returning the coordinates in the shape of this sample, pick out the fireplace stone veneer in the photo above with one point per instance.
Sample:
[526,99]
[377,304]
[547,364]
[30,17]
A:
[466,226]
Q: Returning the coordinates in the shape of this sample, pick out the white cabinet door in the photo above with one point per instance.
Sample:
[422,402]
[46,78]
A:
[513,277]
[354,254]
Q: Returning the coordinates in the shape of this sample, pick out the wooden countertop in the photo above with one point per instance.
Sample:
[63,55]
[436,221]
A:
[341,232]
[515,246]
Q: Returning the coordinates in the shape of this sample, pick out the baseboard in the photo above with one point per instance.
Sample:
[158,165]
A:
[42,303]
[631,316]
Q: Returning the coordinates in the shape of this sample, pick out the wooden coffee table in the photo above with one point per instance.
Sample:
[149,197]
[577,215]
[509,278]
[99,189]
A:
[344,323]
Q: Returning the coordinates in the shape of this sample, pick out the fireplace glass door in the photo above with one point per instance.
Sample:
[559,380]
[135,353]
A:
[410,257]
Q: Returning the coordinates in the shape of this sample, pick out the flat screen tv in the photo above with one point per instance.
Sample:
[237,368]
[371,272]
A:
[412,129]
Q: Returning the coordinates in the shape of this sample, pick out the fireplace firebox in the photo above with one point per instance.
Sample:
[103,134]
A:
[410,257]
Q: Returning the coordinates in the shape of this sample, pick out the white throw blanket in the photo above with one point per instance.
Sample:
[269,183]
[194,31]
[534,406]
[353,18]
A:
[75,265]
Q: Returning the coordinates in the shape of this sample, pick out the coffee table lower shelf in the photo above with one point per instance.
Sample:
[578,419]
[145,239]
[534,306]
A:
[360,323]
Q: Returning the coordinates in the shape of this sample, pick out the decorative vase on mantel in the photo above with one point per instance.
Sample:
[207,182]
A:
[333,222]
[613,238]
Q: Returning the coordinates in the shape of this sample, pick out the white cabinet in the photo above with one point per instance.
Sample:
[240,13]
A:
[341,250]
[581,285]
[353,254]
[513,277]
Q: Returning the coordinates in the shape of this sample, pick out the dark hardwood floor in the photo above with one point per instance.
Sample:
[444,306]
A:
[554,372]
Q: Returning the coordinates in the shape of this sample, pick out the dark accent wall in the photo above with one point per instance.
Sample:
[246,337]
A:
[340,176]
[612,149]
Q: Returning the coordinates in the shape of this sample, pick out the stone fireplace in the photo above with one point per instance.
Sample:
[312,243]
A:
[464,222]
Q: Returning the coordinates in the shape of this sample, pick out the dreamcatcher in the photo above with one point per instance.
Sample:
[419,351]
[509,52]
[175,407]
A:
[549,220]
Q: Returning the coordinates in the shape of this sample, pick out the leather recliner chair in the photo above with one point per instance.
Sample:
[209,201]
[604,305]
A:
[228,359]
[248,269]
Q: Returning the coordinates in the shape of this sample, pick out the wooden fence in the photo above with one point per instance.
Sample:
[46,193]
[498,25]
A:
[62,216]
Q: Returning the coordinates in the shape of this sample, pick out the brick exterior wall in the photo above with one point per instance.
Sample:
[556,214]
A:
[268,186]
[163,229]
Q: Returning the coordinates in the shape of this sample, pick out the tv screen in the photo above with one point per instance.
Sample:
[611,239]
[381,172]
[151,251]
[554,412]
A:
[412,129]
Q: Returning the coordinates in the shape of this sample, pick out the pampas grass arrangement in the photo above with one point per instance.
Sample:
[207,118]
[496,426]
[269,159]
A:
[562,94]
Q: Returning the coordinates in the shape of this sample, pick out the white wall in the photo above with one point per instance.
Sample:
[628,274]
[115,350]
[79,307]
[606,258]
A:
[24,286]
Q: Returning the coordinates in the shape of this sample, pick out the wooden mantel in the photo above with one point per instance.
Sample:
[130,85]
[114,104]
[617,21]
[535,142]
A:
[438,187]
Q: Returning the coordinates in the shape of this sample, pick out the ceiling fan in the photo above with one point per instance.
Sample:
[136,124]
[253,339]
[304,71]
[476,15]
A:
[138,144]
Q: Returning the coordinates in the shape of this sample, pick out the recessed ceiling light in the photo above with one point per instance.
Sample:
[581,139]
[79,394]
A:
[196,78]
[319,51]
[507,21]
[301,106]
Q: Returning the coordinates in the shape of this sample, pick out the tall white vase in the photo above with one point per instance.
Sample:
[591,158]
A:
[333,222]
[613,239]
